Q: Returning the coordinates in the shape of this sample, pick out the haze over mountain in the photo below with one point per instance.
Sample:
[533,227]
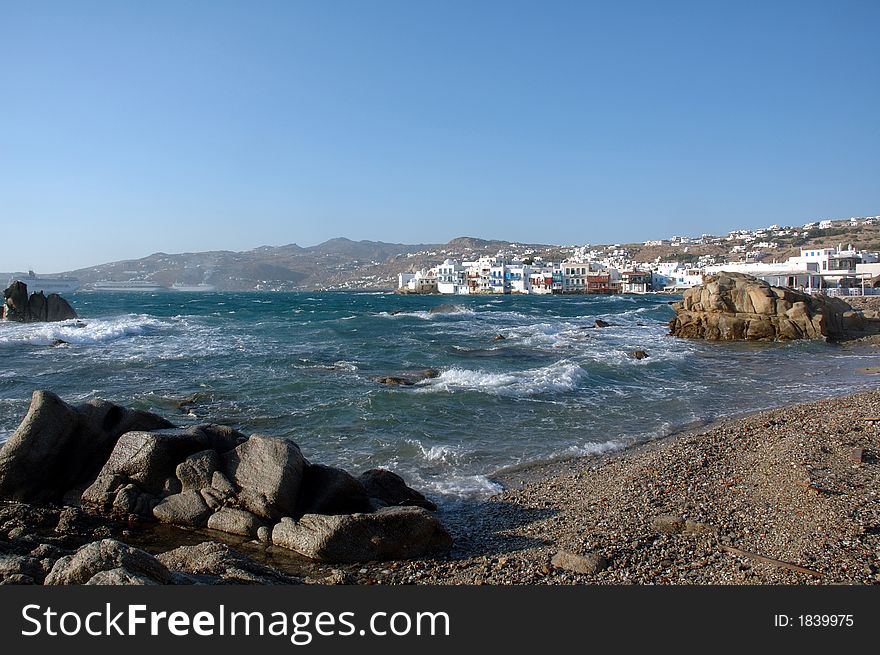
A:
[339,263]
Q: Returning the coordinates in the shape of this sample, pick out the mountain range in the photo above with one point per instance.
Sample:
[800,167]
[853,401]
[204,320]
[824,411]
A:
[335,264]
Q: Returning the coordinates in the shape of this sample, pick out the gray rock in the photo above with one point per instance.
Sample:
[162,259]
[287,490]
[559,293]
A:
[150,458]
[390,533]
[264,535]
[106,555]
[126,500]
[213,498]
[221,483]
[120,577]
[15,565]
[269,472]
[196,470]
[391,489]
[235,521]
[586,564]
[58,447]
[101,495]
[213,559]
[328,490]
[185,508]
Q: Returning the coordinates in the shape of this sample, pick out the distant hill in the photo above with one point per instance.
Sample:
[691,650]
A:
[373,265]
[335,264]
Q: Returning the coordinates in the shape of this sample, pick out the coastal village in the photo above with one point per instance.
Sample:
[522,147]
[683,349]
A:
[841,270]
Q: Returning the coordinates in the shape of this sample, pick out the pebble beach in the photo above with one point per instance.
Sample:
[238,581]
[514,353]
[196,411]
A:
[788,496]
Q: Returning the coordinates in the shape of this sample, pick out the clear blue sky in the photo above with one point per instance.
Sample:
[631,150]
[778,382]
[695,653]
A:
[134,127]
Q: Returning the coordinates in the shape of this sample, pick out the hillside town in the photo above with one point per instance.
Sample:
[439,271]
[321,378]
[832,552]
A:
[839,270]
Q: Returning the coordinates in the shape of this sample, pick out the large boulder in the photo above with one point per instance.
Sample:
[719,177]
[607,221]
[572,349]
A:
[268,471]
[58,447]
[104,556]
[739,307]
[389,533]
[36,308]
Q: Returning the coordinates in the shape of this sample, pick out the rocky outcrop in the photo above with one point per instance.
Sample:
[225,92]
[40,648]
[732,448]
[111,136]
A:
[58,447]
[20,307]
[739,307]
[133,466]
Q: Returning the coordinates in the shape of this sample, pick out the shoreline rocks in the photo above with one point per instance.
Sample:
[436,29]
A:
[122,464]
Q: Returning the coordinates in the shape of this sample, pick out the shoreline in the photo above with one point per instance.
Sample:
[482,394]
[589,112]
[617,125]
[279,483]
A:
[789,495]
[711,504]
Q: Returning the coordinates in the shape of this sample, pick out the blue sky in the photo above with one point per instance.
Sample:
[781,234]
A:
[129,128]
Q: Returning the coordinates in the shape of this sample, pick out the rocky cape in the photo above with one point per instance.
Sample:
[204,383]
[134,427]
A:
[104,463]
[36,308]
[739,307]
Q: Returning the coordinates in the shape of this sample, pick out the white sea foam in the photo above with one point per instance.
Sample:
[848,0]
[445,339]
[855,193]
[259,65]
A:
[90,331]
[560,377]
[464,486]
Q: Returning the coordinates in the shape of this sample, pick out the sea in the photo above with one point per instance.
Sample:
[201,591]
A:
[303,366]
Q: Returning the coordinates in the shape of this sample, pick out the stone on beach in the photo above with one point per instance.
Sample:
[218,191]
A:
[106,555]
[389,533]
[213,563]
[235,521]
[185,508]
[586,564]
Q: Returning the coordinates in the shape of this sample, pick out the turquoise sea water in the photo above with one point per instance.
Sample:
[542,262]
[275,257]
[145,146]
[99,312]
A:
[301,365]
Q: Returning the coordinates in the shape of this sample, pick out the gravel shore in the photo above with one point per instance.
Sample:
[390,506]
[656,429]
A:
[786,496]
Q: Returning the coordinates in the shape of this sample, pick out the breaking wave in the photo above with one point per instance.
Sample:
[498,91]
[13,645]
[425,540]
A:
[81,332]
[560,377]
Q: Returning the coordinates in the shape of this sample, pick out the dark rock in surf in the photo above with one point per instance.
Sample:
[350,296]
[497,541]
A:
[391,489]
[19,307]
[394,381]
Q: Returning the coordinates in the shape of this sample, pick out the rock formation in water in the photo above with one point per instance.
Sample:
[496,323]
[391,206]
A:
[739,307]
[131,465]
[36,308]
